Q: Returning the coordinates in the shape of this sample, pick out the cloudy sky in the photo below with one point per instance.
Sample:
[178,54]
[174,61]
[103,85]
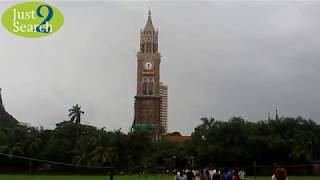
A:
[219,59]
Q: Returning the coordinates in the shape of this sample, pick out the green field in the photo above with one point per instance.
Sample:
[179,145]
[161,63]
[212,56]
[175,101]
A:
[27,177]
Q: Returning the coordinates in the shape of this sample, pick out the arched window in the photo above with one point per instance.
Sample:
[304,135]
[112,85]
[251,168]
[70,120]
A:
[144,86]
[151,87]
[148,47]
[149,36]
[142,47]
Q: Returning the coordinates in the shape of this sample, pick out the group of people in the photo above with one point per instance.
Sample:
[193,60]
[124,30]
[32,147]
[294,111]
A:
[210,174]
[227,174]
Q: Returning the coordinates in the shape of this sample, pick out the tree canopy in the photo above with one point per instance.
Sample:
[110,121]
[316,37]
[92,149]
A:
[214,143]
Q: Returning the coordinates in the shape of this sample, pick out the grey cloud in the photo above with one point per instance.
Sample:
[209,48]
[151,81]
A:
[219,58]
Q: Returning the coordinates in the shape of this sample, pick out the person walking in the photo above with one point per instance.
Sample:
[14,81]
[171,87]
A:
[181,176]
[242,174]
[206,174]
[226,175]
[218,175]
[279,174]
[235,176]
[190,175]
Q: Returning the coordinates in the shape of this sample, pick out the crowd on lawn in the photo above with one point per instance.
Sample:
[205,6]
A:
[226,174]
[210,174]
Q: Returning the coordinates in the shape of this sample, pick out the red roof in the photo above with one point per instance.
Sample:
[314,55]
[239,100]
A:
[176,137]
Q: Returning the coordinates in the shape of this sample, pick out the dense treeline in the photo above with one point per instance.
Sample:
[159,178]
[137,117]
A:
[221,143]
[281,141]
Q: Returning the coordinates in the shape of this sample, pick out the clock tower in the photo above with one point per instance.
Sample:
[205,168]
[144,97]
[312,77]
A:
[148,99]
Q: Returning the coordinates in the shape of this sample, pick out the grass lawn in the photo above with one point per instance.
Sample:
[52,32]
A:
[27,177]
[31,177]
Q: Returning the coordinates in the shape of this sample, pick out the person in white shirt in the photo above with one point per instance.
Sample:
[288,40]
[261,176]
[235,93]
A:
[181,176]
[242,174]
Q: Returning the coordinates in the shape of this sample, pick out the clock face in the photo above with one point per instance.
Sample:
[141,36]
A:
[148,65]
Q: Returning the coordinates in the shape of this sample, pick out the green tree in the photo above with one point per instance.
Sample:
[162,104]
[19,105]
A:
[75,114]
[32,143]
[12,147]
[101,155]
[82,153]
[75,117]
[102,152]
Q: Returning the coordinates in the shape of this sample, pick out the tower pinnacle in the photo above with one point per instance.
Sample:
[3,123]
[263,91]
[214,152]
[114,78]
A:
[149,25]
[277,117]
[149,37]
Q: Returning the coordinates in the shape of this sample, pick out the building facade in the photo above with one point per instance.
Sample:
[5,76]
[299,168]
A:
[148,100]
[164,107]
[6,120]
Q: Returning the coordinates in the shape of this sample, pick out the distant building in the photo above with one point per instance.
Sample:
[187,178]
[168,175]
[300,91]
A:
[6,120]
[164,107]
[150,110]
[24,124]
[176,137]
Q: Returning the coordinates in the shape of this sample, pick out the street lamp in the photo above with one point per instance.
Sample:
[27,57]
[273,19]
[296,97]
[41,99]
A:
[174,162]
[192,161]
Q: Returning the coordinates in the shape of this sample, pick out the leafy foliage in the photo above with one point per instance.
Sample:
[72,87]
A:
[286,140]
[233,142]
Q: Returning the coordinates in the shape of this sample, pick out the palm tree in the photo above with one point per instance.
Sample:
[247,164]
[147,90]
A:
[81,157]
[75,114]
[82,152]
[206,123]
[301,150]
[33,143]
[101,155]
[32,146]
[102,152]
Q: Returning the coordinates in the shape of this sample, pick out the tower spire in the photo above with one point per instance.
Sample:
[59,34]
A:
[277,117]
[149,26]
[149,37]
